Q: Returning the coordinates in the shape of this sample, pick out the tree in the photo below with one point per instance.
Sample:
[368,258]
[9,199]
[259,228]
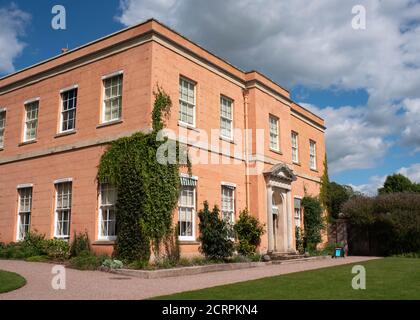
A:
[339,194]
[324,192]
[249,231]
[314,223]
[398,183]
[214,234]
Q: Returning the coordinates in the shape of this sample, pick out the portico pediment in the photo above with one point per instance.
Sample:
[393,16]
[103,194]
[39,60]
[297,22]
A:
[280,172]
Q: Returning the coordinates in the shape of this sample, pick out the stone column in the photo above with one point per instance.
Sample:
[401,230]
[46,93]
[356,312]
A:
[289,223]
[270,218]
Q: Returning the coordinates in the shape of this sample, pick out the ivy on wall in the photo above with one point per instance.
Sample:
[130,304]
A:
[147,190]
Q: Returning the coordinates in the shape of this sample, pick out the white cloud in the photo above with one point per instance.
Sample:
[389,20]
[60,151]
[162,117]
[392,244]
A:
[352,143]
[411,124]
[312,43]
[370,188]
[12,23]
[375,182]
[412,172]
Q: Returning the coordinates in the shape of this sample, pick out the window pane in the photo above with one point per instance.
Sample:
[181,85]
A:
[228,212]
[186,208]
[24,214]
[112,98]
[63,209]
[69,103]
[31,120]
[186,101]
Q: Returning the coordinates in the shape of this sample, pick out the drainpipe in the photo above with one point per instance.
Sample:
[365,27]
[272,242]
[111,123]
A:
[246,124]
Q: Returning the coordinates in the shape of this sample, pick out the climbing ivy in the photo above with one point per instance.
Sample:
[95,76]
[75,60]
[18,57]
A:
[147,190]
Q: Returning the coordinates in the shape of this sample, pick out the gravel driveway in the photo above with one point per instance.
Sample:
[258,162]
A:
[101,285]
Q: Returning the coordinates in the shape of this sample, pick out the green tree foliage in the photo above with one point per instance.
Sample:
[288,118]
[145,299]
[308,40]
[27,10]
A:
[214,234]
[314,222]
[398,183]
[248,230]
[324,192]
[147,190]
[339,194]
[392,221]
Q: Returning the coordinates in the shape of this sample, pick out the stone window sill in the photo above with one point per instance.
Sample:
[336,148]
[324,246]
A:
[227,140]
[109,123]
[27,142]
[65,133]
[187,126]
[276,151]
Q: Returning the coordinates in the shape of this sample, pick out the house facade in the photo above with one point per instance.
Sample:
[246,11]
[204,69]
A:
[252,146]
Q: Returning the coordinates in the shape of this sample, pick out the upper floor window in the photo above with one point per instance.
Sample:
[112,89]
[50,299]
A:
[63,209]
[68,110]
[228,203]
[2,126]
[107,217]
[295,147]
[312,154]
[187,101]
[112,106]
[24,212]
[226,117]
[31,120]
[274,133]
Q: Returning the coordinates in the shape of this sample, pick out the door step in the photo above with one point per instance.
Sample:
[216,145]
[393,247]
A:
[286,256]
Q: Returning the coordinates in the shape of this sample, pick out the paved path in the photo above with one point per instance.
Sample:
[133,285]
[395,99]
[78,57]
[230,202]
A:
[102,285]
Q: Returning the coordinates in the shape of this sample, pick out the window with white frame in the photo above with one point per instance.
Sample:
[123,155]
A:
[68,110]
[31,120]
[63,210]
[312,154]
[2,126]
[24,212]
[186,211]
[295,147]
[298,212]
[112,107]
[274,133]
[228,203]
[107,217]
[226,117]
[187,101]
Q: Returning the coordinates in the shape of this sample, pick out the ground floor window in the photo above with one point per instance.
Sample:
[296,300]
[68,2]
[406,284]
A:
[63,210]
[107,215]
[228,203]
[298,212]
[24,212]
[186,209]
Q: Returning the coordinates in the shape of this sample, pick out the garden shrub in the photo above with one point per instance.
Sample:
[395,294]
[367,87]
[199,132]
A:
[57,249]
[214,234]
[112,264]
[299,240]
[314,222]
[248,230]
[80,243]
[390,222]
[87,261]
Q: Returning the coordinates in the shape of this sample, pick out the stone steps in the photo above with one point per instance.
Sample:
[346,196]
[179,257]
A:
[286,256]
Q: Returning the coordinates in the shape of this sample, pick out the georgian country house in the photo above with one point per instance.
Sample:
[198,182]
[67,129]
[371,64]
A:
[57,117]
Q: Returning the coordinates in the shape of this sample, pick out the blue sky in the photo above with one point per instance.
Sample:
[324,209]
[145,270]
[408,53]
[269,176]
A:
[364,83]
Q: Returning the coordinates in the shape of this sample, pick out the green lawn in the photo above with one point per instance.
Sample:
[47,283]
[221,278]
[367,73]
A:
[390,278]
[10,281]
